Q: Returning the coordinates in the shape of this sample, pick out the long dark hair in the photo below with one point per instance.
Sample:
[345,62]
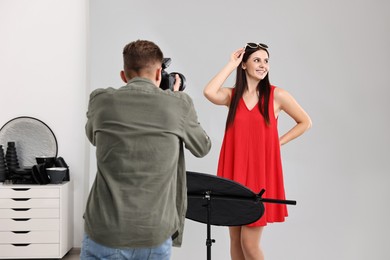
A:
[263,88]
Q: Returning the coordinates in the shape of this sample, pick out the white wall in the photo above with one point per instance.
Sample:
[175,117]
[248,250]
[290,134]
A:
[43,74]
[333,56]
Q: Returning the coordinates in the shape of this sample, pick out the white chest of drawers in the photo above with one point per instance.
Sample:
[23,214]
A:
[36,221]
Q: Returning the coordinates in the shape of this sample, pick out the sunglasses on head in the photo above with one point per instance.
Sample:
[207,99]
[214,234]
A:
[253,45]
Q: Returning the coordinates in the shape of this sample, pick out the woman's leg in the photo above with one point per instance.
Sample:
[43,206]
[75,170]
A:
[235,243]
[250,242]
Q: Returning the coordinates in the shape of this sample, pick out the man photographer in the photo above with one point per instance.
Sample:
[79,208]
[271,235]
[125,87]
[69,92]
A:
[138,201]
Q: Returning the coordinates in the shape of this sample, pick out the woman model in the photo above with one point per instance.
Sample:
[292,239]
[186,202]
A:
[250,153]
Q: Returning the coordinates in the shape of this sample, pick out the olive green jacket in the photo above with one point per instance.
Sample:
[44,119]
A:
[139,196]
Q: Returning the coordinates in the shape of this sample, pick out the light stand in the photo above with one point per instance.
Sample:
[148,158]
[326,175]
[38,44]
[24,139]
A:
[227,203]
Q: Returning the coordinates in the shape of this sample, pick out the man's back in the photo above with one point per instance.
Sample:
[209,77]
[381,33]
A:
[139,198]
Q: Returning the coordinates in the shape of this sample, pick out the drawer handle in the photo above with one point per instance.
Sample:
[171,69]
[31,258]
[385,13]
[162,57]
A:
[20,244]
[20,189]
[22,209]
[21,219]
[20,199]
[20,232]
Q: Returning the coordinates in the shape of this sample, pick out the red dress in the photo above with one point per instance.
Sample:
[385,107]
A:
[250,155]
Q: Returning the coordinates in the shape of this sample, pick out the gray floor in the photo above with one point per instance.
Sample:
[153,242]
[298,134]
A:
[73,254]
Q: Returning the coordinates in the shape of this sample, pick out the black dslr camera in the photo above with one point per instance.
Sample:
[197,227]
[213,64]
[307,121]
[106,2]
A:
[168,79]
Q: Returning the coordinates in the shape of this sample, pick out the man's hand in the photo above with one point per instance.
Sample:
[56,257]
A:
[177,84]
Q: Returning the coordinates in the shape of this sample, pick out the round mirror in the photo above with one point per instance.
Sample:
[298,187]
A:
[32,137]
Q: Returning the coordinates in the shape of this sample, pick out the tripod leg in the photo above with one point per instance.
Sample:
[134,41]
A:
[209,241]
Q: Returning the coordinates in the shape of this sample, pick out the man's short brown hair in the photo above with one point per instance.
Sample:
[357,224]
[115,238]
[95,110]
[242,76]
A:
[141,54]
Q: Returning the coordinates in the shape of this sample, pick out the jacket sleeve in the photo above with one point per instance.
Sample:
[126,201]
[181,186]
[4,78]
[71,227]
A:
[89,126]
[195,138]
[91,120]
